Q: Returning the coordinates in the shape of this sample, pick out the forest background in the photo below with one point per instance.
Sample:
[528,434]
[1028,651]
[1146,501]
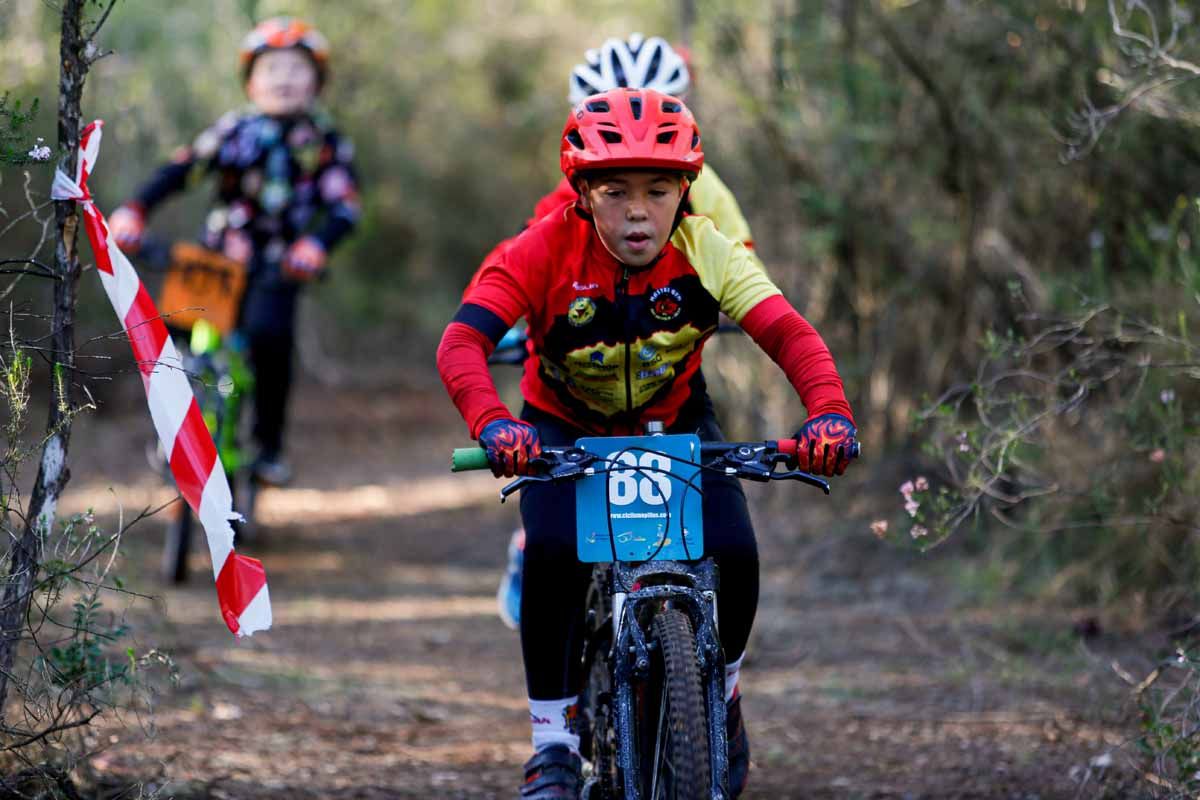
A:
[987,208]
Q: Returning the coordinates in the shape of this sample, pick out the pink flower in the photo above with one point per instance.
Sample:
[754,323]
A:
[918,531]
[1158,456]
[922,484]
[911,507]
[906,489]
[879,528]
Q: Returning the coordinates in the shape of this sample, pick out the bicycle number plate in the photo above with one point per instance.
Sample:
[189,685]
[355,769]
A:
[642,507]
[202,284]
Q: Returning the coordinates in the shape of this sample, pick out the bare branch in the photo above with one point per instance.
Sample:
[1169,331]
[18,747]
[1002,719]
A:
[100,24]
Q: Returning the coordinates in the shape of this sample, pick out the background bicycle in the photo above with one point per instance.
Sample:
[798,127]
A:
[200,299]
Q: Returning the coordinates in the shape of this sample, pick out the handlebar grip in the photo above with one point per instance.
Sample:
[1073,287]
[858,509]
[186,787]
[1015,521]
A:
[468,458]
[855,451]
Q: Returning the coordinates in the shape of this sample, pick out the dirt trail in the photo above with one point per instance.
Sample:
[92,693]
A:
[388,675]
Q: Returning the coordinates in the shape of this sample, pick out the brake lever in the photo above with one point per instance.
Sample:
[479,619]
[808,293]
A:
[803,477]
[521,483]
[563,465]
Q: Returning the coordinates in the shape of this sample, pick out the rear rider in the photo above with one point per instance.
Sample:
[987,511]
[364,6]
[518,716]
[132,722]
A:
[621,291]
[285,195]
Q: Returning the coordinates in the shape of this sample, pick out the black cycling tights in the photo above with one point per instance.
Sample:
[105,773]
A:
[555,583]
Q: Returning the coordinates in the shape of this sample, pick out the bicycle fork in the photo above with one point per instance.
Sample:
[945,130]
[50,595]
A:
[631,659]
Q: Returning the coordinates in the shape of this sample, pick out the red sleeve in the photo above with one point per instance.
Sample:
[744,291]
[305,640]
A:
[502,292]
[462,362]
[562,194]
[795,345]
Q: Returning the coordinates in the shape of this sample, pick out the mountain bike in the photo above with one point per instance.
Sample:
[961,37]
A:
[653,705]
[200,300]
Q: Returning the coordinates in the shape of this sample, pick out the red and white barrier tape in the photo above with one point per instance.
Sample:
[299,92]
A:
[241,580]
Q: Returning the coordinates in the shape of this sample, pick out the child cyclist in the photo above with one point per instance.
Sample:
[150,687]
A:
[635,63]
[285,195]
[620,291]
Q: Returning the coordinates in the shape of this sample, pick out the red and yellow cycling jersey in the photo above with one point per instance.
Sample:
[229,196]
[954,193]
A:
[614,346]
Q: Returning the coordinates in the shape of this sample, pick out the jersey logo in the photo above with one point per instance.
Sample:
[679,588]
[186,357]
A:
[597,357]
[647,353]
[666,303]
[582,310]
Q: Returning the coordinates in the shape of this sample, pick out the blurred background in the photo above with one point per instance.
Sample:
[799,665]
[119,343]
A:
[918,176]
[936,186]
[899,161]
[988,209]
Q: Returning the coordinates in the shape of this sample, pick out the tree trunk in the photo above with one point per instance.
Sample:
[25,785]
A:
[52,476]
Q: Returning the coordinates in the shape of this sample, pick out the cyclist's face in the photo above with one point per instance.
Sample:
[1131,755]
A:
[634,212]
[282,82]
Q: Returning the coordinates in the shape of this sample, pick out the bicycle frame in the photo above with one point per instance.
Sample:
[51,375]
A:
[220,364]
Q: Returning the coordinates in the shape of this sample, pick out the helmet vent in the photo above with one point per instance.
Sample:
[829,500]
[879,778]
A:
[612,137]
[598,106]
[655,63]
[671,107]
[635,105]
[575,139]
[695,140]
[666,137]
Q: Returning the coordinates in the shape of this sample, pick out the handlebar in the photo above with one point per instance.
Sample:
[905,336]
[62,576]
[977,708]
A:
[154,254]
[464,459]
[754,461]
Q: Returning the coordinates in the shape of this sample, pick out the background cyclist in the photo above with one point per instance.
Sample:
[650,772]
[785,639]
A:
[609,280]
[285,195]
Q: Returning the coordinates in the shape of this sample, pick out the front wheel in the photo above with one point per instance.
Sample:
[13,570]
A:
[674,743]
[244,488]
[179,540]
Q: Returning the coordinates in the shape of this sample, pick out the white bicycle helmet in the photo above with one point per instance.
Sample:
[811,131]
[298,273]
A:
[639,63]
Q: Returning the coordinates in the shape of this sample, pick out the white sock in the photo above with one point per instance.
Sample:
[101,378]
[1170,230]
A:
[733,671]
[555,722]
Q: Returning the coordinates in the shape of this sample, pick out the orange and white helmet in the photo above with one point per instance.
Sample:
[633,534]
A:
[280,33]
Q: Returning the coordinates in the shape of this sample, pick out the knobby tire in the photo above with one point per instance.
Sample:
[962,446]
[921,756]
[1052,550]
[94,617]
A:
[682,739]
[179,542]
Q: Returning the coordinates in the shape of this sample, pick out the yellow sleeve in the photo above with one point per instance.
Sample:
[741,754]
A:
[727,270]
[711,198]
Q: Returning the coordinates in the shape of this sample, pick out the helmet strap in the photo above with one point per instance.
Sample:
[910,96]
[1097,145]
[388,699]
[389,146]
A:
[684,208]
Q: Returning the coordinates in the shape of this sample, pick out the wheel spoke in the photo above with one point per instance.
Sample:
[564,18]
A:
[660,734]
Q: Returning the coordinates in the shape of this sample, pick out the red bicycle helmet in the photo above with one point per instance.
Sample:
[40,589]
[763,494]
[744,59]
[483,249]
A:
[631,128]
[280,33]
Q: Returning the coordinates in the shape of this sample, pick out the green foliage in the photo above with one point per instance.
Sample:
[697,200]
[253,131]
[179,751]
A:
[1079,443]
[15,373]
[17,145]
[1168,702]
[84,661]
